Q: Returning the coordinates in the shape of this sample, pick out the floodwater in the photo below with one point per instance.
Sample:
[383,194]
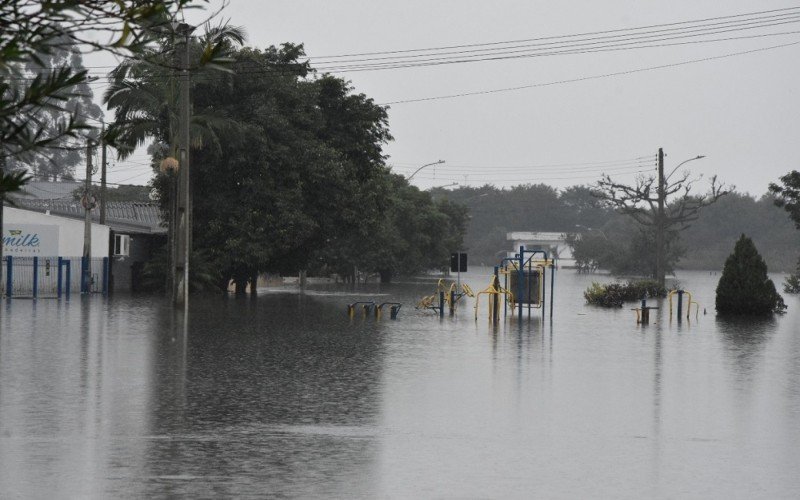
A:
[285,396]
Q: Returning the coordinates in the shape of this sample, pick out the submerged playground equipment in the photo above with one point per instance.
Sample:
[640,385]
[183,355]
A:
[680,294]
[371,306]
[520,282]
[643,312]
[445,296]
[524,285]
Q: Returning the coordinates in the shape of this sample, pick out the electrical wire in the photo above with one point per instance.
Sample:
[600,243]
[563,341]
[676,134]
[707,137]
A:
[787,9]
[610,40]
[591,77]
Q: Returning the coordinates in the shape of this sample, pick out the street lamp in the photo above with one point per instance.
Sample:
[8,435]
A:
[420,168]
[682,163]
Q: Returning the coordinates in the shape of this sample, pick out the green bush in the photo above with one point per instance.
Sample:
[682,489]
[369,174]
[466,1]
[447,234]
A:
[615,294]
[792,283]
[744,288]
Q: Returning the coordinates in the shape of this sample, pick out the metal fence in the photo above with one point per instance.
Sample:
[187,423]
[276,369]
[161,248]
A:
[41,277]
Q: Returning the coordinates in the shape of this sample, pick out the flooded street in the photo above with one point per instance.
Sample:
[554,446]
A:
[285,396]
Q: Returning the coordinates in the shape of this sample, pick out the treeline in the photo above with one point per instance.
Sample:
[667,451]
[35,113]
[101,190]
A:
[288,172]
[614,241]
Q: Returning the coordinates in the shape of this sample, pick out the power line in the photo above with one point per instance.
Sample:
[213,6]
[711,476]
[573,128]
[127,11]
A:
[596,164]
[594,50]
[553,47]
[624,39]
[520,180]
[592,77]
[561,36]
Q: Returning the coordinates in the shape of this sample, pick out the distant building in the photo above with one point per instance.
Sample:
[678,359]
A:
[555,244]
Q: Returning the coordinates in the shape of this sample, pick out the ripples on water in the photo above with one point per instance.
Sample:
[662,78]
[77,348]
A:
[285,396]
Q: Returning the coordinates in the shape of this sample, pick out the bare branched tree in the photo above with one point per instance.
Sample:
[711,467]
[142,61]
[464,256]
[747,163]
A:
[663,208]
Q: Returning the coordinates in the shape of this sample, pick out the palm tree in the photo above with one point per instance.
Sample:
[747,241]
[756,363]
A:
[144,95]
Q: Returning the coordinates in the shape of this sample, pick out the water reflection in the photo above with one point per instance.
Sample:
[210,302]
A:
[284,395]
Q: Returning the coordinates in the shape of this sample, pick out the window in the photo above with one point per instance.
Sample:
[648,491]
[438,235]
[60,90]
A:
[122,244]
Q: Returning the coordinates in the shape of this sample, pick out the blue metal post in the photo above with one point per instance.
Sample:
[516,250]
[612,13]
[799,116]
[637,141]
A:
[35,276]
[552,280]
[441,304]
[544,285]
[495,299]
[680,304]
[645,312]
[84,275]
[9,275]
[59,278]
[69,276]
[106,273]
[520,280]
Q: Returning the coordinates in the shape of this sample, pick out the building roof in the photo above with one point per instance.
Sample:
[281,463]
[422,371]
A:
[131,217]
[535,236]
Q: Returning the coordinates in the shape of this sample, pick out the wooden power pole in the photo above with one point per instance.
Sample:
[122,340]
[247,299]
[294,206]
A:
[103,175]
[183,228]
[86,201]
[660,237]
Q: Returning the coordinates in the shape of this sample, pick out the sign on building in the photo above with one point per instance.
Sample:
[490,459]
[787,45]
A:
[30,240]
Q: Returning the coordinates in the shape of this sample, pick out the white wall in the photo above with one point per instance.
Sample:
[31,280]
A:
[70,231]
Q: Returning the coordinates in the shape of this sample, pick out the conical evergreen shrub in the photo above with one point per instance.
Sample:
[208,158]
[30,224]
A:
[744,288]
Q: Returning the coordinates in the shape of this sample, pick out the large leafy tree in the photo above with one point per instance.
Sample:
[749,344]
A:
[59,157]
[787,195]
[416,232]
[300,182]
[290,176]
[34,32]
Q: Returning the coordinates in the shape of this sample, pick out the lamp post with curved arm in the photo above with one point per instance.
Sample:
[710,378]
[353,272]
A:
[420,168]
[698,157]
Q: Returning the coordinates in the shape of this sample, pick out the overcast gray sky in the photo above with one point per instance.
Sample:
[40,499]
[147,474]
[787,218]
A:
[740,111]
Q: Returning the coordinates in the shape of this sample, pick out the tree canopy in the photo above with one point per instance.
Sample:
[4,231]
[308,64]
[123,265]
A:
[603,238]
[288,171]
[33,35]
[787,195]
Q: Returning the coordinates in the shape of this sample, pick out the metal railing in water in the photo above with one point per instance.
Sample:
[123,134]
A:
[52,277]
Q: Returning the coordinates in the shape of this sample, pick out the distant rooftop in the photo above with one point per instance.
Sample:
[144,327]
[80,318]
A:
[121,216]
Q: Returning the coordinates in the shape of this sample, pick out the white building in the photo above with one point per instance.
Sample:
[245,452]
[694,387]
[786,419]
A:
[555,244]
[32,234]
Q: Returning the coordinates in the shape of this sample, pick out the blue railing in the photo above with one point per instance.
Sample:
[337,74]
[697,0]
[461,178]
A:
[40,277]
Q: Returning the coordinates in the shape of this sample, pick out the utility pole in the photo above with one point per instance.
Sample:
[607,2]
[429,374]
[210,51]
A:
[103,174]
[660,251]
[2,230]
[86,271]
[183,229]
